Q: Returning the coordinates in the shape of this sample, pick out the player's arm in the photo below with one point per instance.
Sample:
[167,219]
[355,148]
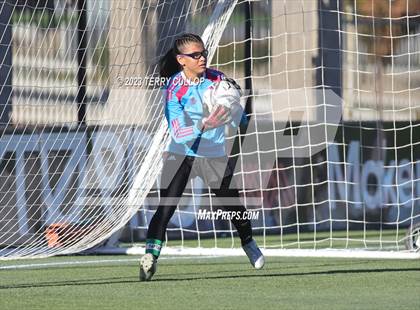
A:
[184,134]
[175,116]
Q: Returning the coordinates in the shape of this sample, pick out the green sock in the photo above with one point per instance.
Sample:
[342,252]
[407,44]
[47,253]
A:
[154,246]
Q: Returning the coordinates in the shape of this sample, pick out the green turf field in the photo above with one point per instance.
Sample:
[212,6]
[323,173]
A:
[356,239]
[111,282]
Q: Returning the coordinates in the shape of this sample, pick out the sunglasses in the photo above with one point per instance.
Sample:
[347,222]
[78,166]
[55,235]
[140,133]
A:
[197,55]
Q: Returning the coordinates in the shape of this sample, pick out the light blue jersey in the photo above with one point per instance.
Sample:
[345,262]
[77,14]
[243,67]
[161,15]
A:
[183,110]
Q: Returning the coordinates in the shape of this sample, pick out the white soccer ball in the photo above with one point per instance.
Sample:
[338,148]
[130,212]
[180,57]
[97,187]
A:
[226,93]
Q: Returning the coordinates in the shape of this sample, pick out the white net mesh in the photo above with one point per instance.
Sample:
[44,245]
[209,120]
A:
[65,177]
[329,159]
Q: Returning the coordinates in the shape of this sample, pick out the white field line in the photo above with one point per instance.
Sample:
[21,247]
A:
[94,262]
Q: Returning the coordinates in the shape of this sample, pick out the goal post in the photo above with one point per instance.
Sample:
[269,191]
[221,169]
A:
[329,165]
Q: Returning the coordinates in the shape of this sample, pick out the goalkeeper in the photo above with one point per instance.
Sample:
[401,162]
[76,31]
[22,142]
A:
[197,146]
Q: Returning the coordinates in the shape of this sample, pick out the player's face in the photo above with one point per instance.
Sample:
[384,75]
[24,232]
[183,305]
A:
[193,58]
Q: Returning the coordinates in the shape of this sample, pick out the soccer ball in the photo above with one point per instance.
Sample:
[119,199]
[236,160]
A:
[226,93]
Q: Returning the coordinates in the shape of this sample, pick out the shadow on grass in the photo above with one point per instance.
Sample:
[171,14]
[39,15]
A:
[327,272]
[179,277]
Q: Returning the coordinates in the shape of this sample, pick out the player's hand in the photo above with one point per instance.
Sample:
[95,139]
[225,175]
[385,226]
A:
[217,118]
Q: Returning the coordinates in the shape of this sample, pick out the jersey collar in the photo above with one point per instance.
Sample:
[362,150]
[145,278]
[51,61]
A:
[188,81]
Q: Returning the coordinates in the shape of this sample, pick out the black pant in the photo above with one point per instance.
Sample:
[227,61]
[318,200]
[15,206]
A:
[177,171]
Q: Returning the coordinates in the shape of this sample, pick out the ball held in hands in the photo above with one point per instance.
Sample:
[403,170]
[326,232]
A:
[226,93]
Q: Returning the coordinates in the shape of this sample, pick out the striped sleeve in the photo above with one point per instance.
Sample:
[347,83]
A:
[176,118]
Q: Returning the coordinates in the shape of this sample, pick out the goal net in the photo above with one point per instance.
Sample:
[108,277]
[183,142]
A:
[328,164]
